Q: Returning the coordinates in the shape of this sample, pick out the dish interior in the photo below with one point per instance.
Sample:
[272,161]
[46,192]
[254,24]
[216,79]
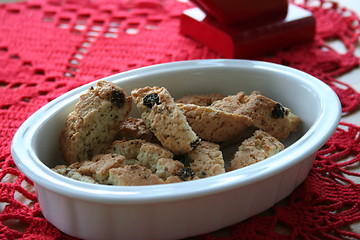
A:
[189,79]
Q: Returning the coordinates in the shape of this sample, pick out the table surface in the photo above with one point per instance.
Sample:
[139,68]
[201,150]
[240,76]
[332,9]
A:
[352,78]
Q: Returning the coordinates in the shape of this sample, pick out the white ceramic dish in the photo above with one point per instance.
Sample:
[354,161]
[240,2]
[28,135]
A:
[185,209]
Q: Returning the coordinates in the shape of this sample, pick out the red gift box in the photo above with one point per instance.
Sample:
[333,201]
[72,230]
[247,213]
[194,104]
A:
[249,38]
[232,12]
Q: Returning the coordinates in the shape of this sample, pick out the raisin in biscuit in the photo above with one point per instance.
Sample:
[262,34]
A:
[214,125]
[266,114]
[207,160]
[201,100]
[254,149]
[93,124]
[270,116]
[164,119]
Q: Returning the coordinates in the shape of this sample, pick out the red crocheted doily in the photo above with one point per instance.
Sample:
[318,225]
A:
[48,47]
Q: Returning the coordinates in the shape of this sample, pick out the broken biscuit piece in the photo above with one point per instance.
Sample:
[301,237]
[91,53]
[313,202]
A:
[265,113]
[255,149]
[93,124]
[73,173]
[214,125]
[167,168]
[94,171]
[165,120]
[207,160]
[98,168]
[149,155]
[133,175]
[129,149]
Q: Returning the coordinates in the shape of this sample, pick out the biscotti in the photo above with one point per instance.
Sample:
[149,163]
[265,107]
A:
[254,149]
[265,113]
[162,116]
[207,160]
[214,125]
[93,124]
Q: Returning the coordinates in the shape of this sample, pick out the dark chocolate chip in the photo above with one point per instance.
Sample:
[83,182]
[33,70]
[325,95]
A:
[151,99]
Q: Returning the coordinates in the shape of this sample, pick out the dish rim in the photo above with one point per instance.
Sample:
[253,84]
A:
[304,147]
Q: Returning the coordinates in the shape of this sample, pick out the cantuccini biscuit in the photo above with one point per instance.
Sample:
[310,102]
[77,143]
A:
[254,149]
[93,124]
[207,160]
[164,119]
[265,113]
[214,125]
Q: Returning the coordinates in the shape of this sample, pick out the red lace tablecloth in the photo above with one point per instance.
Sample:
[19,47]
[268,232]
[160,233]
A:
[49,47]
